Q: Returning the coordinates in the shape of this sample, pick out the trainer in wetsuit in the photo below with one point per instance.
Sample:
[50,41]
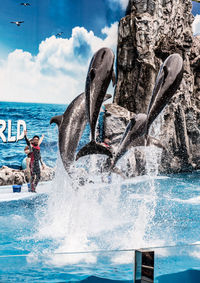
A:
[28,159]
[34,162]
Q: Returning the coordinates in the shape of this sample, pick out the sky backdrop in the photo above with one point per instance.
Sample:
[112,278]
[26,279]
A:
[37,66]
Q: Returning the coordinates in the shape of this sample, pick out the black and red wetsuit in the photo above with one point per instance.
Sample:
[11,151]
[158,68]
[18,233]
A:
[34,164]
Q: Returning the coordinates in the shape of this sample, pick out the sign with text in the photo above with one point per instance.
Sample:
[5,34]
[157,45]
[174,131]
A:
[6,131]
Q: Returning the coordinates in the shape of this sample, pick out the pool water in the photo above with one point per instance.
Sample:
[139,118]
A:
[70,232]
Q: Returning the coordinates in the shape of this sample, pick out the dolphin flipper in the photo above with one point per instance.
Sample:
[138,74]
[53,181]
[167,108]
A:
[107,96]
[113,78]
[57,119]
[93,148]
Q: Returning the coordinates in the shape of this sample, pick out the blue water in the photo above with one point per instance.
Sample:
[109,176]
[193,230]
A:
[47,228]
[42,234]
[37,118]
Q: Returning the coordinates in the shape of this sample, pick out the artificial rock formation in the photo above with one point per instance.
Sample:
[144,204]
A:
[9,176]
[116,120]
[151,31]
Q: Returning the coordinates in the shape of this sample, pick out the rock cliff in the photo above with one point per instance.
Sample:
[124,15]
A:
[151,31]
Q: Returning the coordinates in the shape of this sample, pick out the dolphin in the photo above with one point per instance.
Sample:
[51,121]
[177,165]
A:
[167,83]
[71,126]
[99,75]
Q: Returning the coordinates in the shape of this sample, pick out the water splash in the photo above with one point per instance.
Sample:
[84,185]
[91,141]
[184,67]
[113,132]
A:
[97,215]
[153,156]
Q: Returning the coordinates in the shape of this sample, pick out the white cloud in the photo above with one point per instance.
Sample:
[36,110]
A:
[196,25]
[57,74]
[124,3]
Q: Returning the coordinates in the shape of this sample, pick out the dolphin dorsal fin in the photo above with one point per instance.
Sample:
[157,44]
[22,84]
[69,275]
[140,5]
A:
[57,119]
[92,74]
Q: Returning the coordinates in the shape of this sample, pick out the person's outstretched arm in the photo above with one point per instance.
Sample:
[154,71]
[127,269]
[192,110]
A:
[26,139]
[41,139]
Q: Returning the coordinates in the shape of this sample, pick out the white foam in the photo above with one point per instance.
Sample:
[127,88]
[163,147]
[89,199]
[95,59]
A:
[6,192]
[94,217]
[142,179]
[195,200]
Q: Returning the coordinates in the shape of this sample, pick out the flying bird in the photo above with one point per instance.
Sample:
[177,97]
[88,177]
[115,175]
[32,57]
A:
[25,4]
[59,34]
[18,23]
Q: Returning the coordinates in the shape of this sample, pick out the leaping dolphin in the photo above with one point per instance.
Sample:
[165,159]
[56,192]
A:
[167,83]
[71,126]
[100,73]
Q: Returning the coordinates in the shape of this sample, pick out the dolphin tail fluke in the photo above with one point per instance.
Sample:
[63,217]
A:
[57,120]
[93,148]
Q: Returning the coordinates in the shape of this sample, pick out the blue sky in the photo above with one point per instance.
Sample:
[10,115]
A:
[35,66]
[48,17]
[196,8]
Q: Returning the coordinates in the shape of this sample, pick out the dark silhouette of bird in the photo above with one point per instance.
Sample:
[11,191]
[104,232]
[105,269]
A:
[18,23]
[59,34]
[25,4]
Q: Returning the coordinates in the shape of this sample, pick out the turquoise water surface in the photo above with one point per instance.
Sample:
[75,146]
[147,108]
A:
[64,235]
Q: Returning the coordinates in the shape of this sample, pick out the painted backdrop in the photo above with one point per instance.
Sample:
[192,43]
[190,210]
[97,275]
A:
[45,49]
